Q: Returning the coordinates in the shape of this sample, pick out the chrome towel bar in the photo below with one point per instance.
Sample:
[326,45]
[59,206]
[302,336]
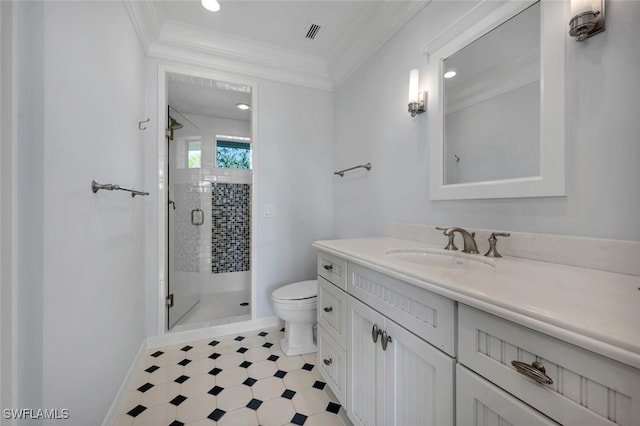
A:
[363,166]
[95,187]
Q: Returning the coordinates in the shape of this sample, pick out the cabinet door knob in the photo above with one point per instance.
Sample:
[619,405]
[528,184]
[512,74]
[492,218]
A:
[385,340]
[328,309]
[535,371]
[375,332]
[328,361]
[328,267]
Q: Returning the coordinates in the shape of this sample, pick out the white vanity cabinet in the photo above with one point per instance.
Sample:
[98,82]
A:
[332,315]
[408,380]
[480,403]
[432,342]
[394,377]
[578,387]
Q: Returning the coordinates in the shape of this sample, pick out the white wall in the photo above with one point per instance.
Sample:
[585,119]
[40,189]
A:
[603,98]
[294,174]
[80,274]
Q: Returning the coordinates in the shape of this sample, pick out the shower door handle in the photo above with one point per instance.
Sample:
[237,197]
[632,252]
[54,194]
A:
[197,217]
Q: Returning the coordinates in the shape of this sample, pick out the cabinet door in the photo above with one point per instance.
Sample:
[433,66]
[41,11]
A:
[480,403]
[365,368]
[419,381]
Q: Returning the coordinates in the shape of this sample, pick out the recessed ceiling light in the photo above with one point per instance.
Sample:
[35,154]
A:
[243,106]
[211,5]
[449,74]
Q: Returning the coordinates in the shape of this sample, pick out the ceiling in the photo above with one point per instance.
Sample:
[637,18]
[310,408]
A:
[280,23]
[209,98]
[267,38]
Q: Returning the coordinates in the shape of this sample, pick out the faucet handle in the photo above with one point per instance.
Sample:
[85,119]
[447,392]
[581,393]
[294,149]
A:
[493,251]
[450,245]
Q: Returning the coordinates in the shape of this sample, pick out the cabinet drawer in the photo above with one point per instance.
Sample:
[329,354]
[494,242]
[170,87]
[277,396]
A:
[332,310]
[428,315]
[332,360]
[587,388]
[333,269]
[480,403]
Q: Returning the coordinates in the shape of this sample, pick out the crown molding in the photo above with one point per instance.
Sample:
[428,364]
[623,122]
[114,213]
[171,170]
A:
[194,45]
[166,39]
[147,18]
[368,34]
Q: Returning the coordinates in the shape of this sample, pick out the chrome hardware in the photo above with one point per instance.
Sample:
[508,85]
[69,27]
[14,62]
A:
[95,187]
[385,340]
[328,309]
[362,166]
[493,251]
[328,361]
[469,242]
[375,332]
[193,220]
[328,267]
[535,371]
[169,301]
[450,245]
[140,123]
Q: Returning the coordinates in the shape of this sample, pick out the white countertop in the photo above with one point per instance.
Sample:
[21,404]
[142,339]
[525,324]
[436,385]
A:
[599,311]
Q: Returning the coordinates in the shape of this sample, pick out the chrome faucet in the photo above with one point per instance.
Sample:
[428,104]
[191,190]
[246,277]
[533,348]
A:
[469,242]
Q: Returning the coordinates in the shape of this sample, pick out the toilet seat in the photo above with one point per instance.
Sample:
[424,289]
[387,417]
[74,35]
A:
[301,290]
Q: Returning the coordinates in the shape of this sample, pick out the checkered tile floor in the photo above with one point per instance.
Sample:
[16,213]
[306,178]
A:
[234,380]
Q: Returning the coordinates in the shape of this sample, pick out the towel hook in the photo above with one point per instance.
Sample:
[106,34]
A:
[140,123]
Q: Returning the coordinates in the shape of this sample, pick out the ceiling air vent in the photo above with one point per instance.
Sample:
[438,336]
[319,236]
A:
[313,31]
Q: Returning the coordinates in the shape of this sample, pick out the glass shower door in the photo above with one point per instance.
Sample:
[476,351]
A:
[186,218]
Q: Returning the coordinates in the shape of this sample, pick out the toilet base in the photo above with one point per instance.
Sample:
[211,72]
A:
[298,339]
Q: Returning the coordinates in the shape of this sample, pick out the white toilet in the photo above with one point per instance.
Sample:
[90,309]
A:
[296,304]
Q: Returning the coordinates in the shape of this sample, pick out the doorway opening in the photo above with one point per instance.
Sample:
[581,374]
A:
[210,250]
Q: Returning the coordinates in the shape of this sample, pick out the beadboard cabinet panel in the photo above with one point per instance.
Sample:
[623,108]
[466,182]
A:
[586,388]
[480,403]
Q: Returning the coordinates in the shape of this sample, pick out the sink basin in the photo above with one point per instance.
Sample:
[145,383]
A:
[442,258]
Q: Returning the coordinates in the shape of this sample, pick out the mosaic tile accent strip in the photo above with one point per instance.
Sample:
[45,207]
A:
[230,227]
[187,237]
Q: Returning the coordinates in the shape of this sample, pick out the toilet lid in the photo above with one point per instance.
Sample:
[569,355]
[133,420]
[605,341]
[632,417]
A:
[297,291]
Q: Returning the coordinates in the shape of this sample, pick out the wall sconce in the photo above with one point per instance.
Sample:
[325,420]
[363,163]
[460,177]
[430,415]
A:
[416,97]
[588,18]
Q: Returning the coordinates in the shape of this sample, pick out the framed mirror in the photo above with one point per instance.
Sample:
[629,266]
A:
[496,105]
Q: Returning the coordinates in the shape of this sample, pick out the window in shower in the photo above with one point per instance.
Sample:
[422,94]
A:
[194,154]
[233,154]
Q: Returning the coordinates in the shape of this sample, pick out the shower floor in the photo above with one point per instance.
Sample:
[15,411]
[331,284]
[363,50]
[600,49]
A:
[217,309]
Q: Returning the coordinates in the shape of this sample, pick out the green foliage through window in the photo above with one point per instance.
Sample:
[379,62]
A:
[234,155]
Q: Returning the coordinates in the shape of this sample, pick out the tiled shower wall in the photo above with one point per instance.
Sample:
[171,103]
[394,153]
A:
[230,227]
[187,246]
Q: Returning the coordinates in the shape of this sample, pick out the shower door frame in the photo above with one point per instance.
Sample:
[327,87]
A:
[163,180]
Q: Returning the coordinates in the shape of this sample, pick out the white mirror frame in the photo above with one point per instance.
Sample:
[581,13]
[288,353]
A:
[551,181]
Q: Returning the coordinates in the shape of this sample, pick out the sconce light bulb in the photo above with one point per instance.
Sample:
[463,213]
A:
[414,76]
[211,5]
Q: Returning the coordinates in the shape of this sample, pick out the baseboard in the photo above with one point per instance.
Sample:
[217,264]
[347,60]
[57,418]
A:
[114,410]
[210,332]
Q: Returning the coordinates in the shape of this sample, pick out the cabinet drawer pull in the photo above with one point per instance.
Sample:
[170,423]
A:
[535,371]
[328,361]
[375,332]
[328,267]
[328,309]
[385,340]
